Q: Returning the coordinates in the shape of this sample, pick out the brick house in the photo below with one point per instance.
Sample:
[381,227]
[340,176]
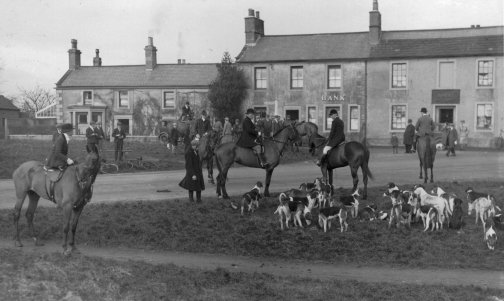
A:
[139,96]
[379,79]
[8,111]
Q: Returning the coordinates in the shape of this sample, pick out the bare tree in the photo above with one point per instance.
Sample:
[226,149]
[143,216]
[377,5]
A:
[33,100]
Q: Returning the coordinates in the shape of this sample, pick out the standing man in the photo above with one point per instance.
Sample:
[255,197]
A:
[336,136]
[101,136]
[92,138]
[227,131]
[58,158]
[451,140]
[409,136]
[119,134]
[249,138]
[174,137]
[202,125]
[464,133]
[187,113]
[193,180]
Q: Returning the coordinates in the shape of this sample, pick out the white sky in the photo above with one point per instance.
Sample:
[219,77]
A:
[35,34]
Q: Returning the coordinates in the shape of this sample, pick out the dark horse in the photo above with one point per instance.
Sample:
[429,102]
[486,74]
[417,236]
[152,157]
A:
[206,148]
[426,149]
[352,153]
[71,193]
[228,153]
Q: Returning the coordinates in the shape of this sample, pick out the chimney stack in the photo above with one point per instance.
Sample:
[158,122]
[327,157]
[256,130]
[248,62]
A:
[97,59]
[179,61]
[150,55]
[374,24]
[254,27]
[74,56]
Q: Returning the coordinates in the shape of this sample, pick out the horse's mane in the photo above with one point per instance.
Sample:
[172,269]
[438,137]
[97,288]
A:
[280,130]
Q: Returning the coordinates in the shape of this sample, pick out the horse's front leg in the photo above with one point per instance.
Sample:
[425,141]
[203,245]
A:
[330,172]
[355,178]
[420,177]
[67,214]
[17,214]
[269,173]
[223,185]
[73,223]
[426,174]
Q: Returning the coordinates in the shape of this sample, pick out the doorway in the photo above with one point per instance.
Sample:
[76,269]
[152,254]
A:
[445,114]
[292,114]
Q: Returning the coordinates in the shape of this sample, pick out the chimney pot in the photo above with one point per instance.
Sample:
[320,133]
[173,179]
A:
[74,56]
[74,44]
[375,4]
[97,51]
[183,61]
[150,41]
[251,12]
[257,15]
[472,26]
[477,26]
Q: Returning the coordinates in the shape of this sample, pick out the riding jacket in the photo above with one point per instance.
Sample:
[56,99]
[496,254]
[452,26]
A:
[249,134]
[59,154]
[186,113]
[425,126]
[337,134]
[202,126]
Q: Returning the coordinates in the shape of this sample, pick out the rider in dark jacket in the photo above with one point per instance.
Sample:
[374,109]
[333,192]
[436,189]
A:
[336,136]
[202,125]
[187,113]
[249,138]
[59,153]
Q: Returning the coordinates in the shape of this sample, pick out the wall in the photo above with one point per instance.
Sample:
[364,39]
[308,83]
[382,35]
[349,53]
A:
[314,92]
[422,79]
[145,108]
[10,116]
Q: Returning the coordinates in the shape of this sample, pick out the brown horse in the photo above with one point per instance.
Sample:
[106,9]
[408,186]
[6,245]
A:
[71,193]
[306,128]
[426,149]
[353,154]
[228,153]
[206,149]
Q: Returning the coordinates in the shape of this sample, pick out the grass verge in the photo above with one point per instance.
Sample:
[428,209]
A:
[54,277]
[213,227]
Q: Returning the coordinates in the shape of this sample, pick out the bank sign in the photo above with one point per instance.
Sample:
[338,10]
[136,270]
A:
[333,97]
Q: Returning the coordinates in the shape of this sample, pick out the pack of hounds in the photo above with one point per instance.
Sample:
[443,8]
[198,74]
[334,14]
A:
[435,209]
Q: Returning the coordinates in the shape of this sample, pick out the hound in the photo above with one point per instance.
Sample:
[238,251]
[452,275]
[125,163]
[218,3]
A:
[491,237]
[449,197]
[351,202]
[435,201]
[317,184]
[332,212]
[456,220]
[250,200]
[293,206]
[483,204]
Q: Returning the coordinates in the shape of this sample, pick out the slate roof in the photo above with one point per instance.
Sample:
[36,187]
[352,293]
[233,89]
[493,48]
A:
[442,47]
[5,104]
[307,48]
[459,42]
[163,75]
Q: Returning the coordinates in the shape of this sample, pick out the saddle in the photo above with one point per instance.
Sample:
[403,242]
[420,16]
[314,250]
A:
[53,175]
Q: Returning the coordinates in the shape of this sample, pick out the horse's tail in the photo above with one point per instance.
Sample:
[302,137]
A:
[365,163]
[428,152]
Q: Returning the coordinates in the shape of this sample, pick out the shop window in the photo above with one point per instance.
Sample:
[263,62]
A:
[398,120]
[484,116]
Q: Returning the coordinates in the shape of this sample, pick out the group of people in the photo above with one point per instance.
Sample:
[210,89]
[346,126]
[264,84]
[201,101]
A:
[95,136]
[425,126]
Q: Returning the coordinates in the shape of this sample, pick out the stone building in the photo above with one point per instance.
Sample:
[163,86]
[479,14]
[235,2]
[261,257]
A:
[139,96]
[379,79]
[8,111]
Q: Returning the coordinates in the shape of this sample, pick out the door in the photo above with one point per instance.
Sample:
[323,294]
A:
[445,114]
[292,114]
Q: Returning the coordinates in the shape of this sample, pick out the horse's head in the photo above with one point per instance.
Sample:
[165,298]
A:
[293,134]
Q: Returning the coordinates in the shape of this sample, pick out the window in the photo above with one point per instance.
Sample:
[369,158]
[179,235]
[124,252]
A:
[484,114]
[296,77]
[82,117]
[399,77]
[311,114]
[334,77]
[485,73]
[398,120]
[328,120]
[446,76]
[87,97]
[123,99]
[260,78]
[169,100]
[354,116]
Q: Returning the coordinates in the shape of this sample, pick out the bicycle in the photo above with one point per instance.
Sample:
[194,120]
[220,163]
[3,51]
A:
[139,163]
[107,168]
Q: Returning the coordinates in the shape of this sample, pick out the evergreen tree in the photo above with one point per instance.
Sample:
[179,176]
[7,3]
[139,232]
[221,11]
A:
[228,91]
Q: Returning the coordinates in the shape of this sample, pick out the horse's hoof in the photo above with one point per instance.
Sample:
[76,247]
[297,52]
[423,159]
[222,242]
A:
[219,196]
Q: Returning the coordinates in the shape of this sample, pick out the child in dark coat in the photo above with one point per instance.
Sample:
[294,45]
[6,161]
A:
[193,180]
[395,143]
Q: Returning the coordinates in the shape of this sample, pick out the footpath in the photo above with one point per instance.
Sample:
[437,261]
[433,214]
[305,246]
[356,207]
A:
[283,268]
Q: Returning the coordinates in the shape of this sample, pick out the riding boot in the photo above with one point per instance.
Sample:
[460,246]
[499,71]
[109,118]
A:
[191,196]
[198,196]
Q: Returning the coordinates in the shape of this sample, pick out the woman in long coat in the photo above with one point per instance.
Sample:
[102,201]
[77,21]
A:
[227,131]
[409,136]
[193,180]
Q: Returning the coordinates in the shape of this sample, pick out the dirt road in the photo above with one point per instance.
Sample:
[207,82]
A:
[386,167]
[323,271]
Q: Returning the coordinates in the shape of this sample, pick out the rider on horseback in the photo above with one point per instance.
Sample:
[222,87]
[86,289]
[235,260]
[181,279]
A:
[336,136]
[59,154]
[187,113]
[250,137]
[425,125]
[202,125]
